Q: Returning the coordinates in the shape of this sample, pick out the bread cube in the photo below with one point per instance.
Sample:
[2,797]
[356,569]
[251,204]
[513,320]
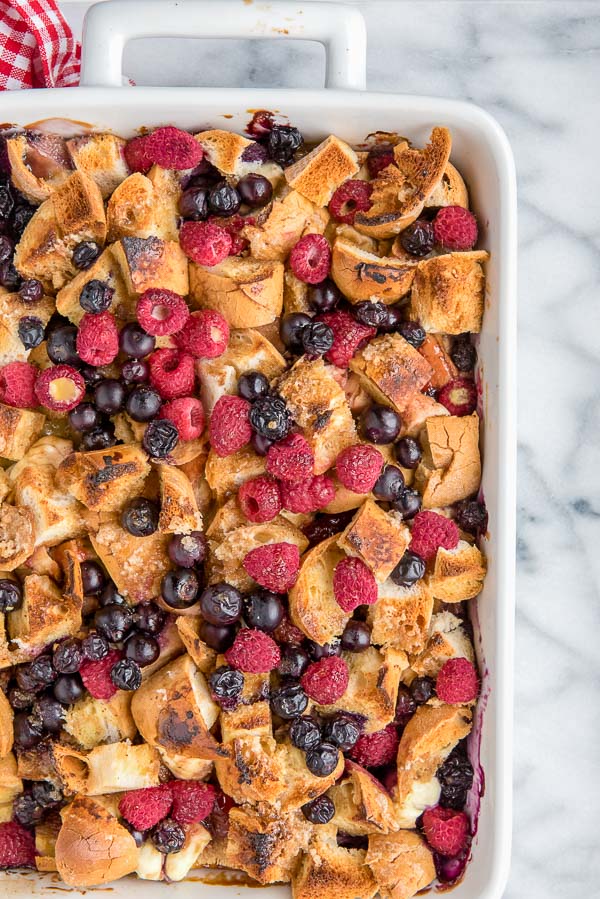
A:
[179,513]
[105,480]
[362,275]
[152,262]
[91,722]
[362,805]
[328,870]
[401,616]
[226,474]
[391,370]
[247,291]
[291,217]
[325,168]
[45,616]
[101,158]
[402,864]
[447,640]
[227,557]
[265,843]
[137,565]
[448,292]
[458,573]
[450,469]
[377,537]
[312,603]
[19,428]
[12,310]
[17,536]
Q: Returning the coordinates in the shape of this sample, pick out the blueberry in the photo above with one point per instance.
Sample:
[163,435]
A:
[223,200]
[289,701]
[6,248]
[409,570]
[20,699]
[46,794]
[254,152]
[282,143]
[111,596]
[31,331]
[471,516]
[422,689]
[408,504]
[42,670]
[455,776]
[317,338]
[318,651]
[263,610]
[7,202]
[226,685]
[138,835]
[323,297]
[21,218]
[291,328]
[221,604]
[408,452]
[374,315]
[463,353]
[135,371]
[101,437]
[26,810]
[11,595]
[389,485]
[405,706]
[380,424]
[85,254]
[92,577]
[68,688]
[84,417]
[394,318]
[320,811]
[219,638]
[149,618]
[67,656]
[324,526]
[305,733]
[413,333]
[140,517]
[134,341]
[186,550]
[61,345]
[142,648]
[160,438]
[180,588]
[322,760]
[10,279]
[109,396]
[126,675]
[253,384]
[90,374]
[27,681]
[260,444]
[255,190]
[113,622]
[294,661]
[168,836]
[193,204]
[50,711]
[143,403]
[31,291]
[94,647]
[418,238]
[28,730]
[270,418]
[96,296]
[342,731]
[356,636]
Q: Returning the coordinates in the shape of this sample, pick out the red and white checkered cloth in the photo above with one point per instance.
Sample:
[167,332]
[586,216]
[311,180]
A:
[37,48]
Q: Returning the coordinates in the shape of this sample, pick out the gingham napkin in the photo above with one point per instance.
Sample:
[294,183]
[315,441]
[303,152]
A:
[37,48]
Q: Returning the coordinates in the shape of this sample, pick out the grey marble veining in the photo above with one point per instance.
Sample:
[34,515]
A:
[536,67]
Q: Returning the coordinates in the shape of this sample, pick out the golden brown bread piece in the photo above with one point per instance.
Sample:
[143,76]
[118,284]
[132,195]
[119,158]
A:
[17,537]
[362,275]
[377,537]
[227,557]
[226,474]
[179,512]
[391,370]
[458,573]
[362,805]
[136,564]
[130,209]
[152,262]
[105,480]
[401,616]
[39,164]
[106,269]
[312,605]
[328,870]
[6,731]
[266,844]
[450,190]
[247,292]
[46,833]
[448,292]
[178,864]
[447,640]
[420,407]
[450,469]
[189,631]
[223,148]
[19,428]
[401,862]
[167,193]
[111,768]
[92,721]
[12,310]
[295,294]
[100,157]
[291,217]
[46,615]
[11,786]
[325,168]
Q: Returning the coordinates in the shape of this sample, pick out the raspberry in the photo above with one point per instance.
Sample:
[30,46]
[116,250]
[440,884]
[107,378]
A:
[348,335]
[161,312]
[187,415]
[445,830]
[17,382]
[380,748]
[358,468]
[229,427]
[455,228]
[306,496]
[173,148]
[193,801]
[457,681]
[205,243]
[238,245]
[459,396]
[351,197]
[17,846]
[171,373]
[274,566]
[353,584]
[260,499]
[286,632]
[253,651]
[310,259]
[291,459]
[206,334]
[96,676]
[380,156]
[60,387]
[429,532]
[97,338]
[136,154]
[326,681]
[145,808]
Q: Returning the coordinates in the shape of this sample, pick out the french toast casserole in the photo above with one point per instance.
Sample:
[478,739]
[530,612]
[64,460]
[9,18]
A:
[240,508]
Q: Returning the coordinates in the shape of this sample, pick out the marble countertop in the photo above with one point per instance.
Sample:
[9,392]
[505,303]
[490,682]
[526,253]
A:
[536,67]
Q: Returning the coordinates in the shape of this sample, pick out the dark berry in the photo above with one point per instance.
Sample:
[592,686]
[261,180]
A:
[138,835]
[135,371]
[85,254]
[92,577]
[61,345]
[46,794]
[471,516]
[322,760]
[374,315]
[320,811]
[294,661]
[394,318]
[84,417]
[255,190]
[323,651]
[408,503]
[26,810]
[142,648]
[389,485]
[20,699]
[11,595]
[94,647]
[6,248]
[31,291]
[221,604]
[405,706]
[409,570]
[422,689]
[412,332]
[255,152]
[217,638]
[113,622]
[26,680]
[305,733]
[223,200]
[226,684]
[193,204]
[68,688]
[143,403]
[260,444]
[50,710]
[110,596]
[263,610]
[134,341]
[126,675]
[7,202]
[21,218]
[42,670]
[380,424]
[9,276]
[463,353]
[149,618]
[90,375]
[180,588]
[95,297]
[67,656]
[31,331]
[160,438]
[187,550]
[101,437]
[323,297]
[418,238]
[408,452]
[342,731]
[282,143]
[289,701]
[109,396]
[317,339]
[324,526]
[140,517]
[252,385]
[291,328]
[456,779]
[270,418]
[356,636]
[168,836]
[28,730]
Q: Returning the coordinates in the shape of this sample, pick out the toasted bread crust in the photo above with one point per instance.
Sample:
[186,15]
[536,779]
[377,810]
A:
[361,275]
[329,870]
[450,469]
[291,217]
[318,174]
[448,292]
[377,537]
[391,370]
[266,844]
[152,262]
[104,480]
[458,573]
[402,864]
[311,601]
[401,616]
[247,292]
[19,429]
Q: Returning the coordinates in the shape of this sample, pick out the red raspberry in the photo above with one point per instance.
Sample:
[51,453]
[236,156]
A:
[229,427]
[204,243]
[260,499]
[353,584]
[60,387]
[286,632]
[429,532]
[187,415]
[307,496]
[457,681]
[238,245]
[380,748]
[326,681]
[380,156]
[459,396]
[136,154]
[455,228]
[358,467]
[145,808]
[161,312]
[206,334]
[274,566]
[310,259]
[350,198]
[17,383]
[291,459]
[445,830]
[96,675]
[98,338]
[218,820]
[253,651]
[193,801]
[17,846]
[173,148]
[348,335]
[171,373]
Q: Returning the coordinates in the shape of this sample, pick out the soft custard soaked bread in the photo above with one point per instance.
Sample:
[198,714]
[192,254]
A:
[236,553]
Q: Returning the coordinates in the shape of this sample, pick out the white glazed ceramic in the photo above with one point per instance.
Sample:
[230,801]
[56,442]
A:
[481,152]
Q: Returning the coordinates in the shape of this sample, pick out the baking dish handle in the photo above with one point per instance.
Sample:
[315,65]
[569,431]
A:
[110,25]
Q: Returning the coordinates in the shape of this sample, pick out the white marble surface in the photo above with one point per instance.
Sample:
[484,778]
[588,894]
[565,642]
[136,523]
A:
[536,67]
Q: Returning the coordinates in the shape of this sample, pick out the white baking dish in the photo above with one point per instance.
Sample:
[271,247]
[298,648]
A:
[481,152]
